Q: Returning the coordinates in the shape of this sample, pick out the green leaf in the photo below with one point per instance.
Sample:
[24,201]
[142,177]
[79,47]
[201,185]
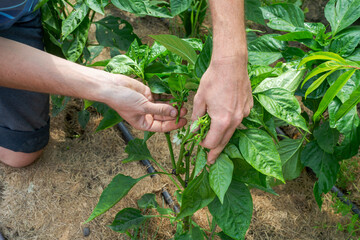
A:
[319,81]
[177,46]
[73,46]
[265,50]
[283,105]
[157,85]
[58,103]
[111,118]
[94,51]
[203,61]
[346,41]
[331,93]
[323,164]
[350,86]
[234,215]
[75,18]
[350,145]
[164,211]
[122,64]
[83,118]
[96,5]
[259,150]
[114,32]
[195,233]
[289,151]
[126,219]
[177,82]
[315,28]
[347,122]
[355,56]
[119,186]
[322,56]
[323,67]
[288,80]
[253,12]
[197,195]
[220,175]
[223,236]
[178,6]
[147,201]
[326,137]
[293,36]
[348,105]
[342,13]
[137,150]
[147,135]
[143,7]
[200,161]
[232,151]
[284,17]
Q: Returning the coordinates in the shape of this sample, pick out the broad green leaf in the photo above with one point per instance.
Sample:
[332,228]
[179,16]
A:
[348,105]
[259,150]
[73,46]
[164,211]
[283,105]
[94,51]
[326,137]
[253,12]
[331,93]
[288,80]
[119,186]
[220,175]
[346,123]
[178,6]
[156,51]
[200,161]
[101,63]
[355,56]
[293,36]
[96,5]
[127,219]
[342,13]
[346,41]
[114,32]
[161,70]
[323,164]
[350,145]
[157,85]
[322,56]
[110,118]
[234,215]
[284,17]
[232,151]
[195,233]
[73,21]
[58,104]
[147,201]
[122,64]
[203,61]
[177,82]
[315,28]
[83,118]
[148,135]
[223,236]
[137,150]
[289,151]
[177,46]
[143,7]
[265,50]
[197,195]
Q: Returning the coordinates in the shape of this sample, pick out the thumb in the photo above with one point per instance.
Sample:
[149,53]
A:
[160,109]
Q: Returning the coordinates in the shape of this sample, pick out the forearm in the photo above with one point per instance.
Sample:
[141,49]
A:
[228,29]
[27,68]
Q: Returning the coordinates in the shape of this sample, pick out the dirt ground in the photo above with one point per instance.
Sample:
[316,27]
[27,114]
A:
[53,197]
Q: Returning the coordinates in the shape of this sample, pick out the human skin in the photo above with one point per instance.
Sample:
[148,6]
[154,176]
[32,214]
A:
[24,67]
[225,89]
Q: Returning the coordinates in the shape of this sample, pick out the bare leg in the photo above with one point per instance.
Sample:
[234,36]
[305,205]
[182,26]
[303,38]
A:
[18,159]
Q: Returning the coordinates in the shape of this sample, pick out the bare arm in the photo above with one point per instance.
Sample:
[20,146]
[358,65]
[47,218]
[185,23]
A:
[225,90]
[27,68]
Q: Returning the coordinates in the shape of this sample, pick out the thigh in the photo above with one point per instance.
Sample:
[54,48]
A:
[24,115]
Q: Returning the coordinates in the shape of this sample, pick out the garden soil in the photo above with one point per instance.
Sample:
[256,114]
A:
[53,197]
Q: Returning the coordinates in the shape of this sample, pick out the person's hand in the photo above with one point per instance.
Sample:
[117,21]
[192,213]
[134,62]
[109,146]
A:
[225,94]
[135,103]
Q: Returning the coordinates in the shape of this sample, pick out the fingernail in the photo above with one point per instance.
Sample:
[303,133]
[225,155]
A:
[173,113]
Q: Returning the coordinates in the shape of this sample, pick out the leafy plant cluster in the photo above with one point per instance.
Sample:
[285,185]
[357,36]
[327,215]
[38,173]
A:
[321,69]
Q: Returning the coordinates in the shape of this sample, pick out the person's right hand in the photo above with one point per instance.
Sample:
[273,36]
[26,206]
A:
[136,104]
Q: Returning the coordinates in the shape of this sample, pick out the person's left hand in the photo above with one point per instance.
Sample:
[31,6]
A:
[225,94]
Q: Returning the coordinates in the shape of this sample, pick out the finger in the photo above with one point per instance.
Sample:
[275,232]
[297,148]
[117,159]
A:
[215,135]
[162,126]
[160,109]
[183,112]
[214,153]
[199,108]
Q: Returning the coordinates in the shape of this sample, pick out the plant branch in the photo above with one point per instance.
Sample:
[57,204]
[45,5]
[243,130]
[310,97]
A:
[212,232]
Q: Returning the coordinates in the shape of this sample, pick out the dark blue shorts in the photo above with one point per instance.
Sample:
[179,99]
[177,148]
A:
[24,115]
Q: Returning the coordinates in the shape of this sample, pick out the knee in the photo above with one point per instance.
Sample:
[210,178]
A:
[18,159]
